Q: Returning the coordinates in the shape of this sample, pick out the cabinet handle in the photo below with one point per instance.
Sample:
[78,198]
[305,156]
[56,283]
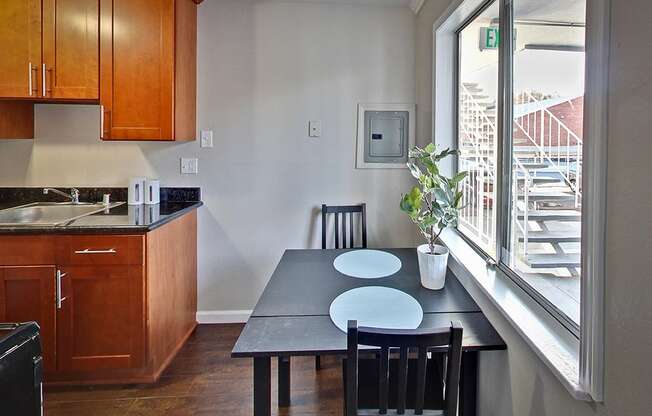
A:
[105,125]
[59,299]
[31,90]
[43,76]
[89,251]
[33,85]
[51,72]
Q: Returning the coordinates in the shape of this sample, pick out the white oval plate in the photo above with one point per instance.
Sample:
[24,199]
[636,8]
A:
[367,264]
[378,307]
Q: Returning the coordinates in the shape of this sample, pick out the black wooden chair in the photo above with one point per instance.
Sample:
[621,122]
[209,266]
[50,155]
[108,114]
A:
[340,228]
[423,340]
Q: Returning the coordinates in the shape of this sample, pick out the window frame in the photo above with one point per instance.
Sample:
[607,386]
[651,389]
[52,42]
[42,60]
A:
[484,6]
[586,382]
[504,132]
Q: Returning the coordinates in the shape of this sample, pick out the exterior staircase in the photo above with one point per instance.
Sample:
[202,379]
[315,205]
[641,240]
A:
[546,213]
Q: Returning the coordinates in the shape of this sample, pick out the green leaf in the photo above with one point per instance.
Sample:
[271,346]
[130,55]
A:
[458,178]
[442,197]
[429,221]
[458,199]
[435,201]
[411,202]
[414,170]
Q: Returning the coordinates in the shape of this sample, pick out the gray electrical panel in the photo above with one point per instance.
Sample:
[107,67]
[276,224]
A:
[386,136]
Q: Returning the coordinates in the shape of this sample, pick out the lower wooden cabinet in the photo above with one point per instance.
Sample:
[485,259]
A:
[112,308]
[101,325]
[27,294]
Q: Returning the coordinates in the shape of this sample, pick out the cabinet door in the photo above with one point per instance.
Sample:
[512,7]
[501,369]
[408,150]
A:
[28,294]
[20,48]
[101,323]
[137,69]
[71,49]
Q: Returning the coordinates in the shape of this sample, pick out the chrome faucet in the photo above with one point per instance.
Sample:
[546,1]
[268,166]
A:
[74,194]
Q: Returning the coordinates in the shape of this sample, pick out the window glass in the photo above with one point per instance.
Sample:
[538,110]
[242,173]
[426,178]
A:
[543,246]
[477,136]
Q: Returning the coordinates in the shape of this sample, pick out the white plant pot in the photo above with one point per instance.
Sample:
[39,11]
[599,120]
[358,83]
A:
[432,267]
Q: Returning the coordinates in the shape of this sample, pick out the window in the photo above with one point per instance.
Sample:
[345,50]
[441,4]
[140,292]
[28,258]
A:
[544,179]
[532,229]
[547,109]
[477,117]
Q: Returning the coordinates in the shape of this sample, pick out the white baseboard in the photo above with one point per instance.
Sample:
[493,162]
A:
[223,317]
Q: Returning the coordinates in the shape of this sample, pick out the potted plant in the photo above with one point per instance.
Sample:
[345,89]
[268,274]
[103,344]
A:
[432,205]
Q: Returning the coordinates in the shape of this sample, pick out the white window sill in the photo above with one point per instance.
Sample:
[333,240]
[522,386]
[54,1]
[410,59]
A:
[551,342]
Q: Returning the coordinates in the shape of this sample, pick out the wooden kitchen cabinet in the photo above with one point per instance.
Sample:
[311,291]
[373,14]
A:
[49,53]
[16,120]
[50,49]
[113,308]
[100,325]
[136,57]
[27,293]
[20,50]
[70,43]
[148,69]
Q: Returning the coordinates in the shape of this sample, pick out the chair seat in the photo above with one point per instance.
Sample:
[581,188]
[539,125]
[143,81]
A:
[392,412]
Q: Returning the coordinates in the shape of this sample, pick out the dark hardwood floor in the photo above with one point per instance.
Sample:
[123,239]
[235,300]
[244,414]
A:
[204,380]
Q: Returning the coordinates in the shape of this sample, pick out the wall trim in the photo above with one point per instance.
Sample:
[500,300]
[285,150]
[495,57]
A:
[416,5]
[223,317]
[594,197]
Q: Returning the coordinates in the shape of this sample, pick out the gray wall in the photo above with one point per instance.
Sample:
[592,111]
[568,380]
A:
[516,382]
[265,69]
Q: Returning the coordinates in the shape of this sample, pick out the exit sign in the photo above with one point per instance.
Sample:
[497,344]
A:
[489,38]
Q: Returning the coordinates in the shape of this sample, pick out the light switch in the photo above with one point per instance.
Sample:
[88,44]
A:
[206,138]
[189,166]
[314,128]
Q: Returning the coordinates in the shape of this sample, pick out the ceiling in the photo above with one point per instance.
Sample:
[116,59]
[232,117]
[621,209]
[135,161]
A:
[552,10]
[415,5]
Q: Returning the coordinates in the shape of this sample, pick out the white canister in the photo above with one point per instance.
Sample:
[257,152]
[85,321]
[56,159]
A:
[152,213]
[432,266]
[136,193]
[152,191]
[136,215]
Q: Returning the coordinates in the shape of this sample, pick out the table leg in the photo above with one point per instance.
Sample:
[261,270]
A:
[469,384]
[262,386]
[284,381]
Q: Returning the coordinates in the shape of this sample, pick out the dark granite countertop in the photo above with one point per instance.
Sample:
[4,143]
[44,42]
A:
[123,218]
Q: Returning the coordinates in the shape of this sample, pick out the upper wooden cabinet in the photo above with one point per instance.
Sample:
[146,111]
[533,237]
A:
[137,57]
[20,48]
[50,49]
[70,67]
[148,69]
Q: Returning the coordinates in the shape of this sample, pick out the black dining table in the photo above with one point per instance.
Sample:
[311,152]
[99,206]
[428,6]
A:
[292,318]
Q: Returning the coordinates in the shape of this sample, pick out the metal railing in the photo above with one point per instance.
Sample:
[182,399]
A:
[477,152]
[556,144]
[477,149]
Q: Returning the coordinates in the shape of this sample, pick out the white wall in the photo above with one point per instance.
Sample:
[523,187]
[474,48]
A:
[516,382]
[265,69]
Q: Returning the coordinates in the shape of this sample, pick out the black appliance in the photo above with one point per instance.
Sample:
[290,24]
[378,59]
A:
[21,370]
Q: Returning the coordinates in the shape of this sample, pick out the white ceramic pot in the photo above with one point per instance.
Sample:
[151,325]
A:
[432,267]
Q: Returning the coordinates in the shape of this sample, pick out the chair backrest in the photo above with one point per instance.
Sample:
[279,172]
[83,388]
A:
[420,339]
[344,211]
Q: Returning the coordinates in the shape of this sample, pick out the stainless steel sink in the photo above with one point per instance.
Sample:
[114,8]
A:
[49,213]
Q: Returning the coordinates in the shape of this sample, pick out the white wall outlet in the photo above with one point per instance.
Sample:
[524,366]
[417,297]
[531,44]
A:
[314,128]
[206,138]
[189,166]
